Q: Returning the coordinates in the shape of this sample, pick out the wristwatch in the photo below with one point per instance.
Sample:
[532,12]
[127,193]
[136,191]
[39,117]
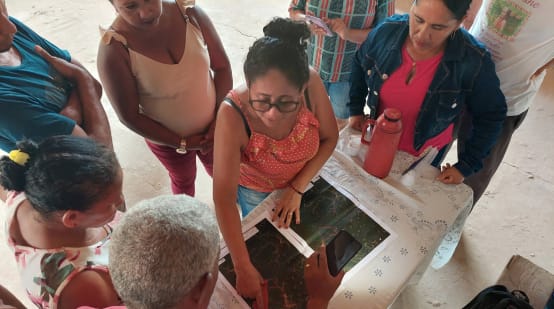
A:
[182,146]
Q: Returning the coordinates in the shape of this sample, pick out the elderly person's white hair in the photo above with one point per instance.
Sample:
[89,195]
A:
[161,249]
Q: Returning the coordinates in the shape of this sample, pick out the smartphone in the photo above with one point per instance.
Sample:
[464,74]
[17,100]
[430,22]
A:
[320,23]
[340,250]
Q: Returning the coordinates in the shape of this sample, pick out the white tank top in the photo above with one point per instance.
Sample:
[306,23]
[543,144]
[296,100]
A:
[180,96]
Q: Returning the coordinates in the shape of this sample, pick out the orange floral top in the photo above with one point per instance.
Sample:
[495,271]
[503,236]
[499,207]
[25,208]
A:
[268,164]
[46,272]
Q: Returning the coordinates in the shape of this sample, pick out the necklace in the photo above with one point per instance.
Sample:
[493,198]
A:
[411,74]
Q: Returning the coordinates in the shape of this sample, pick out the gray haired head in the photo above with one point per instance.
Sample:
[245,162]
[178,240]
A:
[161,249]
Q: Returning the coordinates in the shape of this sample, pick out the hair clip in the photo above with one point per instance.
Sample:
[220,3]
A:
[19,157]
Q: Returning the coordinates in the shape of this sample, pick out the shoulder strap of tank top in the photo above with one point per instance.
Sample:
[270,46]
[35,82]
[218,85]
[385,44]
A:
[187,10]
[308,103]
[106,36]
[237,108]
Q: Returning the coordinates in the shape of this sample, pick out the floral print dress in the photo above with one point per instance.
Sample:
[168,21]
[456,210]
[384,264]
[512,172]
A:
[46,272]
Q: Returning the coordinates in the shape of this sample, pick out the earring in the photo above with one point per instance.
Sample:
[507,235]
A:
[453,35]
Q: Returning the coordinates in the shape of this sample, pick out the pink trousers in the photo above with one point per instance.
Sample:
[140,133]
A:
[181,167]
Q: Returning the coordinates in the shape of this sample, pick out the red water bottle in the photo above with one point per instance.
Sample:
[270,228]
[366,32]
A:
[384,143]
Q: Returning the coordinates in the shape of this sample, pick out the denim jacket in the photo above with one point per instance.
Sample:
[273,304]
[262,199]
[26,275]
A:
[465,79]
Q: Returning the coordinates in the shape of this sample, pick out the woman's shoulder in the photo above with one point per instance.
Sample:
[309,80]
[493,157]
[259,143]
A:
[391,30]
[13,198]
[188,9]
[89,286]
[112,50]
[314,77]
[232,104]
[385,30]
[176,6]
[238,94]
[315,83]
[472,43]
[317,94]
[231,117]
[108,35]
[14,203]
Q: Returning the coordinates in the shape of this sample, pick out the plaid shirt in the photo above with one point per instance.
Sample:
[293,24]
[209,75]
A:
[332,56]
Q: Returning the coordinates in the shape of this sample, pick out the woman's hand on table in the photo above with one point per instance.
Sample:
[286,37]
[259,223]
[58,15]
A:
[450,175]
[320,284]
[287,207]
[249,283]
[356,122]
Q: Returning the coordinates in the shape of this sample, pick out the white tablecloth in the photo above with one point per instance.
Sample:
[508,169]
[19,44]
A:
[425,218]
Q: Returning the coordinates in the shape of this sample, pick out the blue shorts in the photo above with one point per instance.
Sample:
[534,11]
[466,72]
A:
[248,199]
[339,94]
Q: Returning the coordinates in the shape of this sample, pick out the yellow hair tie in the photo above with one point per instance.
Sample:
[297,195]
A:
[19,157]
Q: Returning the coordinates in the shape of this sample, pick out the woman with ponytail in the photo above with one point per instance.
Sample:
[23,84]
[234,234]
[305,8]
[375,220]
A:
[61,196]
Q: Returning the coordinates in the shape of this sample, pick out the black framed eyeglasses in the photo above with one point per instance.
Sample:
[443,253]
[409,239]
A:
[265,105]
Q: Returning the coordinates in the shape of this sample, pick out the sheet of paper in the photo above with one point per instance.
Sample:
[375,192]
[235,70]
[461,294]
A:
[280,254]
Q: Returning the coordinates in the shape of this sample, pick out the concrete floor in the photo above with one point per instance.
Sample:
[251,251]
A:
[514,216]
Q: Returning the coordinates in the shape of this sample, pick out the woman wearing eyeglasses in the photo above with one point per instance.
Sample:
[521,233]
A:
[430,69]
[273,133]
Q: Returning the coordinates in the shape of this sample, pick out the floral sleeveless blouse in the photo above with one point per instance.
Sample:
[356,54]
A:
[268,164]
[46,272]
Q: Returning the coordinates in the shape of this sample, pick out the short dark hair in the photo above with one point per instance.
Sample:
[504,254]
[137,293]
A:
[62,173]
[458,8]
[283,47]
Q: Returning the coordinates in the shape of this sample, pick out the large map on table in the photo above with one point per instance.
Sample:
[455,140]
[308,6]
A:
[324,212]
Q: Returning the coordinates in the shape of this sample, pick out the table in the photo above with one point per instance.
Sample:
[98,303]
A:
[424,217]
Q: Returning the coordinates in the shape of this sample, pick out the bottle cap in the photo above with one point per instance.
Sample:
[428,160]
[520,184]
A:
[392,114]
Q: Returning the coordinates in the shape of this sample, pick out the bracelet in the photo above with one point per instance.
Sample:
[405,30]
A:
[295,190]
